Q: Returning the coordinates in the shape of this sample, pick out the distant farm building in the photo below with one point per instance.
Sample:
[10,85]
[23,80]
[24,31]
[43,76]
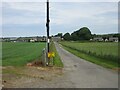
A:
[113,39]
[91,39]
[98,39]
[41,39]
[106,40]
[23,39]
[56,39]
[32,39]
[13,39]
[5,39]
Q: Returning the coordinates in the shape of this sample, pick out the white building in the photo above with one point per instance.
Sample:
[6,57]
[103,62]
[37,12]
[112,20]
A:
[98,39]
[113,39]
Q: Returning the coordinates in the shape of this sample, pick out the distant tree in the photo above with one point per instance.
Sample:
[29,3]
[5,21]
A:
[84,33]
[94,35]
[59,35]
[67,37]
[81,34]
[28,40]
[117,35]
[74,36]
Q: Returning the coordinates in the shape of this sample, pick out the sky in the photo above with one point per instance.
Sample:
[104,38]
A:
[29,18]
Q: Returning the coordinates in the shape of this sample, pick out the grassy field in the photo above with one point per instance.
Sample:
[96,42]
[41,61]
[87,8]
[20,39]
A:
[19,54]
[105,54]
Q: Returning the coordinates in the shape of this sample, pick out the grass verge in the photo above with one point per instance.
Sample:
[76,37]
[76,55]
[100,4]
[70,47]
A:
[56,60]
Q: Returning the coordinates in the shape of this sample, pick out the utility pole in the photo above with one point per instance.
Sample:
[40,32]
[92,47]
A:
[48,37]
[47,25]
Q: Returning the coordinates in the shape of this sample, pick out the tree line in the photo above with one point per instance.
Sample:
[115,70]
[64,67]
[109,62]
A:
[81,34]
[84,33]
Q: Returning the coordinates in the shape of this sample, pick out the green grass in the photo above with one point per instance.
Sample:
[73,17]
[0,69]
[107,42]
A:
[56,60]
[19,54]
[104,54]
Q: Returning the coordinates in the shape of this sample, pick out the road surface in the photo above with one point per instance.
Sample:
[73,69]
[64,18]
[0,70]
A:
[84,74]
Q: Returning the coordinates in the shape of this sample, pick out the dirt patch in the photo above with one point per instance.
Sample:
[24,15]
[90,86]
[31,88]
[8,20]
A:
[35,63]
[116,69]
[15,76]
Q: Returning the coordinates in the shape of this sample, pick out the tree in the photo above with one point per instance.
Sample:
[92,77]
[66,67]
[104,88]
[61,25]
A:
[67,37]
[84,33]
[59,35]
[81,34]
[74,36]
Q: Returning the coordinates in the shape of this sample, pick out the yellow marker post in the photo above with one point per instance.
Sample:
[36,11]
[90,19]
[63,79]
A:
[51,54]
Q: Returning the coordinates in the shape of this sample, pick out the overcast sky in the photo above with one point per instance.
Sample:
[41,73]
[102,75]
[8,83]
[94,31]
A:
[29,18]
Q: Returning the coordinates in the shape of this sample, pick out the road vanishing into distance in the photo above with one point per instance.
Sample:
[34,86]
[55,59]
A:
[84,74]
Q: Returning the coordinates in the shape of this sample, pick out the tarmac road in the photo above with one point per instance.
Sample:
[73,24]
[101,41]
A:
[84,74]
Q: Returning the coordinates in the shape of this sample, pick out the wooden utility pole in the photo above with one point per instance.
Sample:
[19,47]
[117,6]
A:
[47,25]
[48,37]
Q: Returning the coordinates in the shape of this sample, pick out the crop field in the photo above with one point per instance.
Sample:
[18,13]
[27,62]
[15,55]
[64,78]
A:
[97,52]
[19,53]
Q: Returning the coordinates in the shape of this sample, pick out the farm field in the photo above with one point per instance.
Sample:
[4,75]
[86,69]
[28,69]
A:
[19,53]
[105,54]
